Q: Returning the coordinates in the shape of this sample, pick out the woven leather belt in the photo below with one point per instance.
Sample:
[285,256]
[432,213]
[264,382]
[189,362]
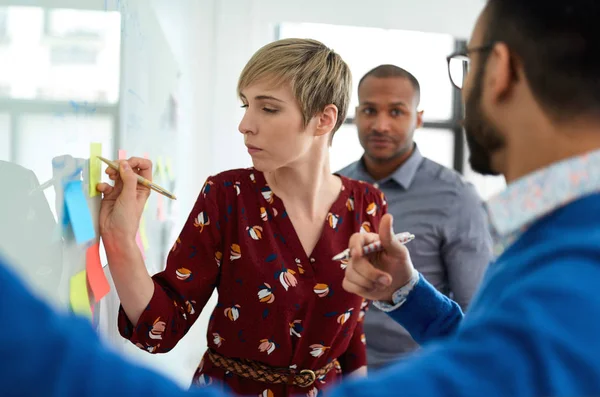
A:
[263,373]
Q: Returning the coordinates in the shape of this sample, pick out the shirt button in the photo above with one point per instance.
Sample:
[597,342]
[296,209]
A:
[312,260]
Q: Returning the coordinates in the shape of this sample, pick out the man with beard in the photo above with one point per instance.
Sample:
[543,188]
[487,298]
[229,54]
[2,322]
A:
[532,94]
[453,244]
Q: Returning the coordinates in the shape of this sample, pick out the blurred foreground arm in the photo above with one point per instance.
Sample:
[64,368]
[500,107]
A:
[56,355]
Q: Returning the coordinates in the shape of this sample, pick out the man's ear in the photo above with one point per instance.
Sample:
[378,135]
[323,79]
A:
[419,119]
[327,120]
[500,73]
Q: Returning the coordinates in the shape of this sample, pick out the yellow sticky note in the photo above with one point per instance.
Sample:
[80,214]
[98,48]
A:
[78,295]
[143,235]
[169,166]
[95,167]
[160,168]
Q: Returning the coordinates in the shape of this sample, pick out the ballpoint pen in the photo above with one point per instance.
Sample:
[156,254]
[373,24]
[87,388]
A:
[402,238]
[141,180]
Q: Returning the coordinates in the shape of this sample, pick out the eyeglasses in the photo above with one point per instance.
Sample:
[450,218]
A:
[458,64]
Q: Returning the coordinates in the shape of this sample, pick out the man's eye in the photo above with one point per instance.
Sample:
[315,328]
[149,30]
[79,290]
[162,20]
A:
[368,111]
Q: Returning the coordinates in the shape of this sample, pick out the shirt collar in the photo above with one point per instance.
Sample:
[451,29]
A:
[403,175]
[533,196]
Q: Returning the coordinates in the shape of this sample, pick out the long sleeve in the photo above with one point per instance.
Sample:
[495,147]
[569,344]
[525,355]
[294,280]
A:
[427,314]
[55,355]
[467,246]
[183,288]
[537,338]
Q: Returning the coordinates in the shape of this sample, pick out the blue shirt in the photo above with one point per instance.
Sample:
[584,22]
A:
[532,329]
[45,353]
[453,245]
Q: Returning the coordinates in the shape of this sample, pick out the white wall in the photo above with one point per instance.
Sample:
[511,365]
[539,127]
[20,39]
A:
[456,17]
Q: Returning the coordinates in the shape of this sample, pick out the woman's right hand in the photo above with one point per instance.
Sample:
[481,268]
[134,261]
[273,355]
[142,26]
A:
[123,203]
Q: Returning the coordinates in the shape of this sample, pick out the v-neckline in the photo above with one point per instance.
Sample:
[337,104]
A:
[286,225]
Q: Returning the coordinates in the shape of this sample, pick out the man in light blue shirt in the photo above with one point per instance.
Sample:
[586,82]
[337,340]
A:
[453,245]
[533,114]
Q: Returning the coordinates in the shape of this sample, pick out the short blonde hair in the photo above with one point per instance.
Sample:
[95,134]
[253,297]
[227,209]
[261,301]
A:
[317,74]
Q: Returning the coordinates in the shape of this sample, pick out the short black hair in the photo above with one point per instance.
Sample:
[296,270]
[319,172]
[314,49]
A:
[388,71]
[558,45]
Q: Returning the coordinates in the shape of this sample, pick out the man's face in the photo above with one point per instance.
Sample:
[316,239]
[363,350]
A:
[483,138]
[387,117]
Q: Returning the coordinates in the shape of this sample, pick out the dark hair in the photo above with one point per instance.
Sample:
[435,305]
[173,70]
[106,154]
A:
[558,44]
[387,71]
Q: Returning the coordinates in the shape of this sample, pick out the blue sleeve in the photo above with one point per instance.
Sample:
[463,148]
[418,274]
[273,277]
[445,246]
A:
[538,338]
[45,353]
[427,314]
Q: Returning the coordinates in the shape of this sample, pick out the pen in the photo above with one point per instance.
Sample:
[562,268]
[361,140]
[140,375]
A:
[141,180]
[402,238]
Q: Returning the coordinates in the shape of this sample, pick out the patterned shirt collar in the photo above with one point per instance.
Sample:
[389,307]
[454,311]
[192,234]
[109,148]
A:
[534,196]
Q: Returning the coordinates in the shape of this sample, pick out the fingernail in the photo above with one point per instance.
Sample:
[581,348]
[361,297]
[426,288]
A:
[383,280]
[125,166]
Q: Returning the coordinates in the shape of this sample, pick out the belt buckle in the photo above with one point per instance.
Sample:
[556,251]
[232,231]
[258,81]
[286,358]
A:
[313,377]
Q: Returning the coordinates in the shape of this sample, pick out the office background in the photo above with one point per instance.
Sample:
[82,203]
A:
[158,78]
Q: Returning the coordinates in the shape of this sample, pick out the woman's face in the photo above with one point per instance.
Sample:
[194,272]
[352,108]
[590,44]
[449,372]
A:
[272,127]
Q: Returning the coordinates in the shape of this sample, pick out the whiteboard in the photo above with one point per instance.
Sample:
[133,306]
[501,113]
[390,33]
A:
[73,73]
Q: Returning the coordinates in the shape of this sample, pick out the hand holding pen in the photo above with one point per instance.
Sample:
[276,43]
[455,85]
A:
[376,272]
[376,246]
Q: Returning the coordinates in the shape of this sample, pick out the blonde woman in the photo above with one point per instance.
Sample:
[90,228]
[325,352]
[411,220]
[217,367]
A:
[264,237]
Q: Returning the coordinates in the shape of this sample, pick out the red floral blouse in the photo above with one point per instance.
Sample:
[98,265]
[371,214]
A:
[276,305]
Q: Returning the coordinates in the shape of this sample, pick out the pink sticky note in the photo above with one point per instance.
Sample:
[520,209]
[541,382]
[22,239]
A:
[95,274]
[122,154]
[160,208]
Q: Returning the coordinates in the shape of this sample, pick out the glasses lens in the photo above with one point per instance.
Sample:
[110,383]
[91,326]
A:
[458,69]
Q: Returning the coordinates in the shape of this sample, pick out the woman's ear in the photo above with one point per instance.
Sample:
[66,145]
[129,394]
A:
[327,120]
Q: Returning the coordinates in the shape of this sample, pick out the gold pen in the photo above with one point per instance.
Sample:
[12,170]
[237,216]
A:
[141,180]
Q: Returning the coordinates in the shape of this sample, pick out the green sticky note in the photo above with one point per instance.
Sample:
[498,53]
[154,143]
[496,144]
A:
[161,169]
[95,167]
[143,235]
[78,295]
[169,166]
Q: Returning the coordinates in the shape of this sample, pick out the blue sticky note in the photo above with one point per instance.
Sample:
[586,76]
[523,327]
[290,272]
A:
[65,216]
[79,213]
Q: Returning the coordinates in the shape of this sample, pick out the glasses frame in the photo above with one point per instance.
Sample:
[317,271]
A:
[464,55]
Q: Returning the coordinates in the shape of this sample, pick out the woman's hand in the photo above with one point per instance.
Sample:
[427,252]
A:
[123,203]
